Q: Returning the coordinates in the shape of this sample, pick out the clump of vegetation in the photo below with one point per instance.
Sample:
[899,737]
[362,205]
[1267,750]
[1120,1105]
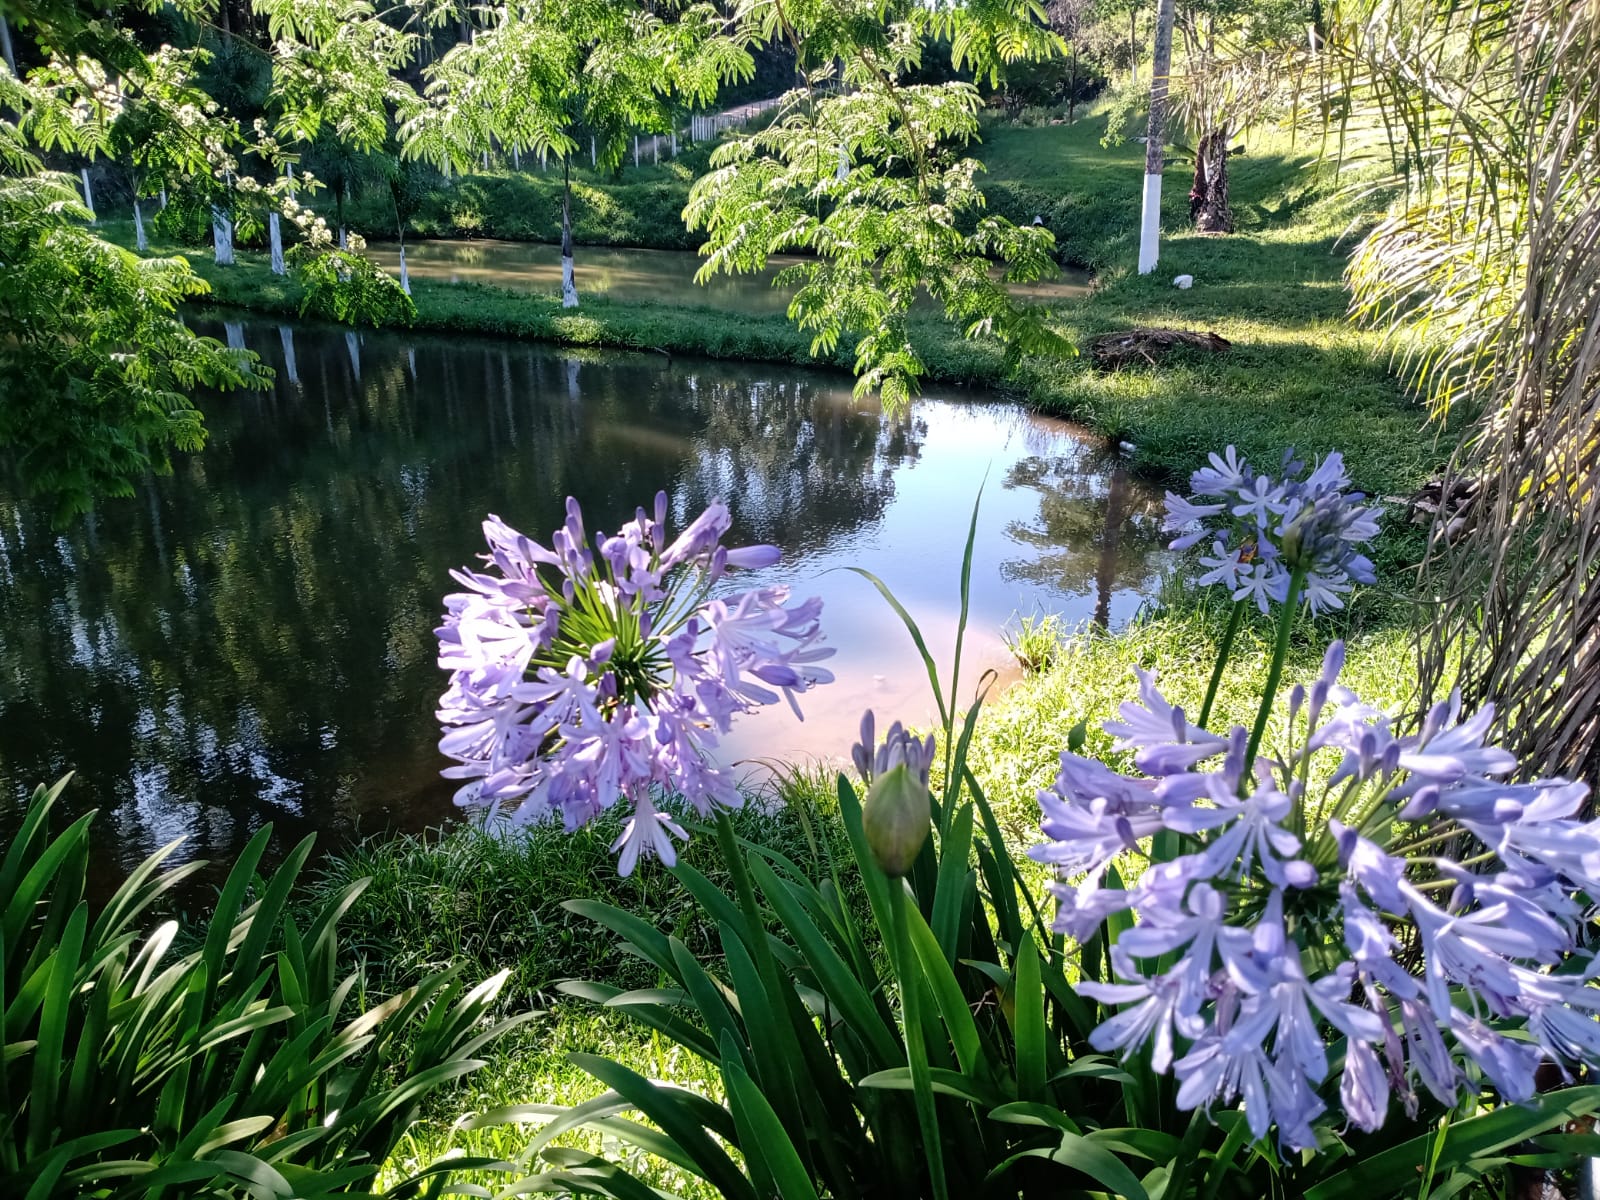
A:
[1034,640]
[488,899]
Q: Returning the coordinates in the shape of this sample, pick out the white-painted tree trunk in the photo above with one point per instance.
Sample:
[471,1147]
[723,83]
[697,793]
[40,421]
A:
[672,144]
[344,238]
[1150,225]
[88,194]
[594,159]
[844,165]
[291,369]
[569,283]
[221,237]
[1155,142]
[635,152]
[516,159]
[275,235]
[655,150]
[288,173]
[140,242]
[234,331]
[405,276]
[485,160]
[163,199]
[5,46]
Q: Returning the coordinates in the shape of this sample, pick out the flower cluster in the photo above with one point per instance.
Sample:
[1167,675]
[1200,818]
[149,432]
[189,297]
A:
[581,674]
[1265,532]
[1406,911]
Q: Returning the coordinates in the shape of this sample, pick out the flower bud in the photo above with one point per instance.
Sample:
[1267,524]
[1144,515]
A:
[895,819]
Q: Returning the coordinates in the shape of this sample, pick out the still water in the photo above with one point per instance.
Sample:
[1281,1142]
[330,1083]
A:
[250,639]
[622,273]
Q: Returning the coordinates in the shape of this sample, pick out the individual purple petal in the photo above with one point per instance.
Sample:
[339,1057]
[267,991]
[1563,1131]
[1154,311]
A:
[1508,1065]
[1364,1087]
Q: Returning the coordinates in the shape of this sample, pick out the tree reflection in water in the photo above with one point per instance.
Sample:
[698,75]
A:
[250,639]
[1097,532]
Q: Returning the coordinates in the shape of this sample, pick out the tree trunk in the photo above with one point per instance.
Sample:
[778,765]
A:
[275,237]
[1072,92]
[88,195]
[5,46]
[1133,45]
[222,237]
[1155,141]
[140,242]
[291,369]
[1208,198]
[569,285]
[1105,575]
[405,276]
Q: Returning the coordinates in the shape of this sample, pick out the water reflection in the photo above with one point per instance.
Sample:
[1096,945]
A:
[250,640]
[627,273]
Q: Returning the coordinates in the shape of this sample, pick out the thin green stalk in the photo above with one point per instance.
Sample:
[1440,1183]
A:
[1234,620]
[916,1052]
[1280,651]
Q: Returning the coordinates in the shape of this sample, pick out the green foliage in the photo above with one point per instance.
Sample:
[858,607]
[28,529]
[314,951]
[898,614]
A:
[1034,641]
[548,77]
[96,369]
[870,184]
[481,900]
[526,207]
[348,287]
[246,1064]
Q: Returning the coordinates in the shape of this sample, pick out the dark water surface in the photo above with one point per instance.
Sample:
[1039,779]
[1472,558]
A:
[250,640]
[626,273]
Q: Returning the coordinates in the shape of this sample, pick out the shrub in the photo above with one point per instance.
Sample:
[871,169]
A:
[246,1064]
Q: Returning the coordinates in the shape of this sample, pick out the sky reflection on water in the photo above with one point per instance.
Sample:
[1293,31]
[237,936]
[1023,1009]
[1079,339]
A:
[250,640]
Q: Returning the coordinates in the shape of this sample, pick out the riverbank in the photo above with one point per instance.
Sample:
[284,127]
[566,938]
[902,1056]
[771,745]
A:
[1297,373]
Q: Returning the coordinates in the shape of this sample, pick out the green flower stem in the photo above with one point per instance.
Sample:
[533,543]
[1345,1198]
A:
[908,972]
[1280,651]
[1234,620]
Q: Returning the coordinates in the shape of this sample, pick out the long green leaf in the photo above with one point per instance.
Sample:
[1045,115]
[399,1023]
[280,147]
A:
[680,1115]
[762,1135]
[1462,1142]
[1028,1023]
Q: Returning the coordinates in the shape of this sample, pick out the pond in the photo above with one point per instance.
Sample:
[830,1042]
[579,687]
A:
[625,273]
[250,639]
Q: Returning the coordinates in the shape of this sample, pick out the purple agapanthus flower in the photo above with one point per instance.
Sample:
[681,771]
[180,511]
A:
[595,671]
[1262,528]
[1314,948]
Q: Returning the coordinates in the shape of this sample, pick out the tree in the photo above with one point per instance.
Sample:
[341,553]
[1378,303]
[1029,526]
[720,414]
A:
[866,176]
[565,75]
[1155,141]
[1220,95]
[1481,275]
